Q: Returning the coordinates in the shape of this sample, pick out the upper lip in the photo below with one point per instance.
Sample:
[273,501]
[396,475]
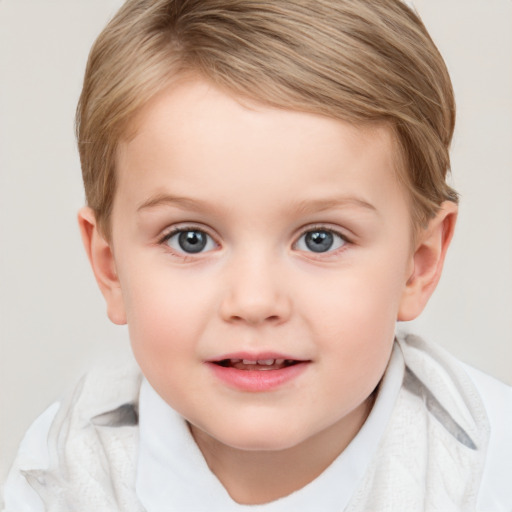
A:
[255,356]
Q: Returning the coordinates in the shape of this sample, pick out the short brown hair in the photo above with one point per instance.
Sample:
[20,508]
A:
[353,60]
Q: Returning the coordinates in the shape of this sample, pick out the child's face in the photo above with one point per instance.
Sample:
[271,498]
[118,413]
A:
[250,233]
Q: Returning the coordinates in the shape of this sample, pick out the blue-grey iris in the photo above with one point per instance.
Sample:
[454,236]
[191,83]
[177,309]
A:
[319,241]
[192,241]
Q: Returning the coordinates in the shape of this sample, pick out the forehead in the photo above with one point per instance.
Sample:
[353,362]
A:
[194,138]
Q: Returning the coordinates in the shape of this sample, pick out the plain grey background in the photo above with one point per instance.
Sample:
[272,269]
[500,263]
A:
[52,319]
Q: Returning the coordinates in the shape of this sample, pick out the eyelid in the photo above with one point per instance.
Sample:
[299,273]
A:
[326,227]
[178,228]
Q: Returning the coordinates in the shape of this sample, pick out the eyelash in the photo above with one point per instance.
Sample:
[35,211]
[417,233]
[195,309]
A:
[319,228]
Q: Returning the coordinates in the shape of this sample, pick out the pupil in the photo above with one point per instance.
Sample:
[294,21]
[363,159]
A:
[319,241]
[192,241]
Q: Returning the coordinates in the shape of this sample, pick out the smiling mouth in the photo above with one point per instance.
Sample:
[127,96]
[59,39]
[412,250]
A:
[257,365]
[257,373]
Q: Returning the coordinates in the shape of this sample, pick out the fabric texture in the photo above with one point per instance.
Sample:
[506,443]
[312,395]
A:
[93,446]
[431,456]
[433,453]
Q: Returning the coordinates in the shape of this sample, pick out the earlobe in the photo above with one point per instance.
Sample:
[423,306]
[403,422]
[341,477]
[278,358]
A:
[427,262]
[102,261]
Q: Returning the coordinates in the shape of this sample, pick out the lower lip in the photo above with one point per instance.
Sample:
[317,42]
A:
[257,380]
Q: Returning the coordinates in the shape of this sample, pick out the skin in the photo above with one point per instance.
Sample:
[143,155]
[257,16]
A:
[256,180]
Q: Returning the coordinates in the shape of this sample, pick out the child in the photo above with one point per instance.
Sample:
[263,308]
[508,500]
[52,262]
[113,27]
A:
[266,197]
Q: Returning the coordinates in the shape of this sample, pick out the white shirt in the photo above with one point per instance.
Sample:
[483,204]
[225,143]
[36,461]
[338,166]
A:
[171,468]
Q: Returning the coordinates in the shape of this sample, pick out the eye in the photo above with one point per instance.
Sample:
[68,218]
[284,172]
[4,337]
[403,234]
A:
[320,240]
[190,241]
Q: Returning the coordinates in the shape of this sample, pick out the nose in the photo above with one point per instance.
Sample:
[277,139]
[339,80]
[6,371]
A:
[255,293]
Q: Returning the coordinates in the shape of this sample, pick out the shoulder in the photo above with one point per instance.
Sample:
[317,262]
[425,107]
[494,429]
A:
[496,395]
[33,452]
[496,489]
[482,398]
[106,397]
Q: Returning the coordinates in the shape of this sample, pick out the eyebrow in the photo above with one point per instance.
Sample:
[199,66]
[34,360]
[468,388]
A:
[303,207]
[319,205]
[166,199]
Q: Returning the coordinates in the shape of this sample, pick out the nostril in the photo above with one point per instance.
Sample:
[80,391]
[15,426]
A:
[255,319]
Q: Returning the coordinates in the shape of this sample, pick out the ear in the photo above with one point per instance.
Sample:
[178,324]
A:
[102,262]
[427,262]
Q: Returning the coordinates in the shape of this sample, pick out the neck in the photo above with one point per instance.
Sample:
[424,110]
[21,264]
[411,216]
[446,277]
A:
[256,477]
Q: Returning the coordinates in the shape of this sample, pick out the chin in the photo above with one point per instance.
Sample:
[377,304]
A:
[262,445]
[276,438]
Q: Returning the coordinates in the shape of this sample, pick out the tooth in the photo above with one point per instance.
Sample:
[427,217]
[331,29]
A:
[279,361]
[267,362]
[247,361]
[234,361]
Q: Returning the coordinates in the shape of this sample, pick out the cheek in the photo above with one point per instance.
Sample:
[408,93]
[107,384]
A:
[357,299]
[353,316]
[165,327]
[165,314]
